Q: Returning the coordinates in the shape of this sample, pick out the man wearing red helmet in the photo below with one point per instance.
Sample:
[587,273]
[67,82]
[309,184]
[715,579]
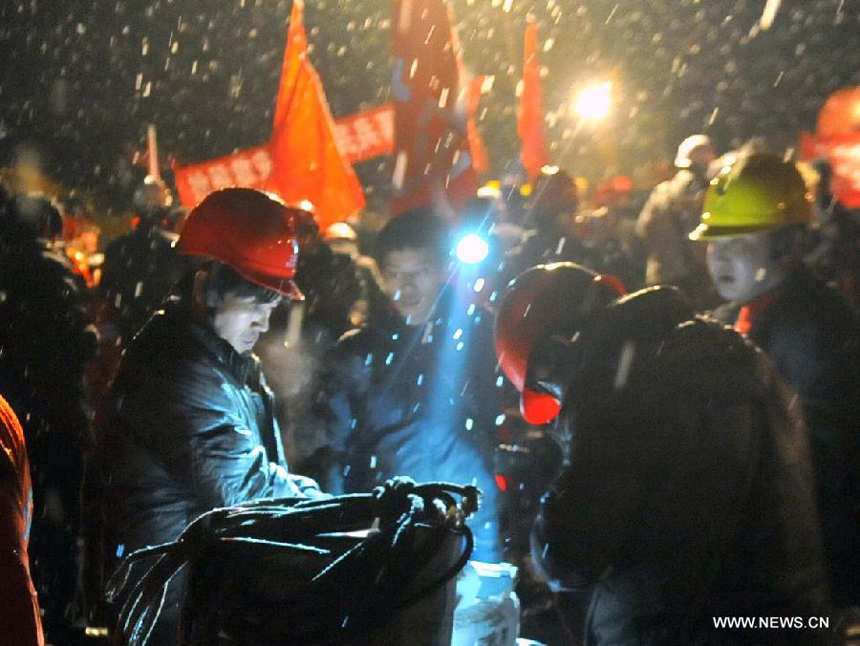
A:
[686,492]
[190,424]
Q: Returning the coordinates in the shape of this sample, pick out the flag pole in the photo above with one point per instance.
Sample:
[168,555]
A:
[152,149]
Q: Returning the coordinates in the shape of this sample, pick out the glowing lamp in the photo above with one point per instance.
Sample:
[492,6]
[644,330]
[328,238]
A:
[472,249]
[593,102]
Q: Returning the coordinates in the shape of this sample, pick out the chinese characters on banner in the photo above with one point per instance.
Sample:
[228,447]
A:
[249,168]
[843,153]
[367,134]
[359,136]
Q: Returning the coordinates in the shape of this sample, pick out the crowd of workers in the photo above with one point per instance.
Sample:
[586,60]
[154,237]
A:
[677,371]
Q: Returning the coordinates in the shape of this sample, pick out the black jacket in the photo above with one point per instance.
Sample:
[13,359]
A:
[689,492]
[190,428]
[46,339]
[140,268]
[419,401]
[812,337]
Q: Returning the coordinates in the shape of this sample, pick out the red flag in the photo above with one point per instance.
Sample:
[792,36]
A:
[431,149]
[533,153]
[307,164]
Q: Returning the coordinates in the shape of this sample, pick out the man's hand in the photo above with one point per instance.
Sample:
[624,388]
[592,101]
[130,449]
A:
[306,487]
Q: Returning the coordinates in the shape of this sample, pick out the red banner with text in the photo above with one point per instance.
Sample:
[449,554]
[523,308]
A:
[249,168]
[366,134]
[360,136]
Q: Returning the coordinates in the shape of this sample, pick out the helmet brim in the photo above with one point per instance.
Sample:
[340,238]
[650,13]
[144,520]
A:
[284,286]
[705,233]
[538,408]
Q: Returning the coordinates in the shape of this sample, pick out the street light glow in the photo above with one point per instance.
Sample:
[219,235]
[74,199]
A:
[593,102]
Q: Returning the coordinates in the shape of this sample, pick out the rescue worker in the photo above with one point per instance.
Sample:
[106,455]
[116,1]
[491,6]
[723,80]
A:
[671,212]
[548,235]
[141,267]
[755,220]
[20,624]
[190,425]
[46,341]
[686,493]
[412,391]
[602,248]
[557,232]
[353,282]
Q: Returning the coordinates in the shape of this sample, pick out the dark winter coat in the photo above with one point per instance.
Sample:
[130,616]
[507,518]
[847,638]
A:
[190,429]
[689,493]
[539,247]
[140,268]
[542,246]
[419,401]
[812,337]
[45,342]
[46,339]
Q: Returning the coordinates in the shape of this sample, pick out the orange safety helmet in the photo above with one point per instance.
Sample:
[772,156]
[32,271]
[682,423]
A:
[545,301]
[840,114]
[255,233]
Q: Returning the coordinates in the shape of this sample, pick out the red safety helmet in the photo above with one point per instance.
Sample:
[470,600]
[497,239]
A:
[543,301]
[253,232]
[841,113]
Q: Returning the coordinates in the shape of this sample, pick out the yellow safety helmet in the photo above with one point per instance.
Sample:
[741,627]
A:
[757,193]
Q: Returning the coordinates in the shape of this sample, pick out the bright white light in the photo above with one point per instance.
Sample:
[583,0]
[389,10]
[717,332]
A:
[472,249]
[592,103]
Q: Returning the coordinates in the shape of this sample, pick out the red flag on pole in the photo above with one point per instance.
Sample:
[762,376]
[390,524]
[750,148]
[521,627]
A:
[533,153]
[306,163]
[152,150]
[432,161]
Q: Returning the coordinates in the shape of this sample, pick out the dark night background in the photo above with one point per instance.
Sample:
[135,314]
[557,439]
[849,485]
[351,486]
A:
[81,78]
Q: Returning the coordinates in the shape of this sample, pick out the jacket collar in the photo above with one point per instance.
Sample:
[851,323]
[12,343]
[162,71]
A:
[245,368]
[794,291]
[385,317]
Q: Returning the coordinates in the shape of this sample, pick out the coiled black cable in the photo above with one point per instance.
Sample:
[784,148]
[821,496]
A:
[281,571]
